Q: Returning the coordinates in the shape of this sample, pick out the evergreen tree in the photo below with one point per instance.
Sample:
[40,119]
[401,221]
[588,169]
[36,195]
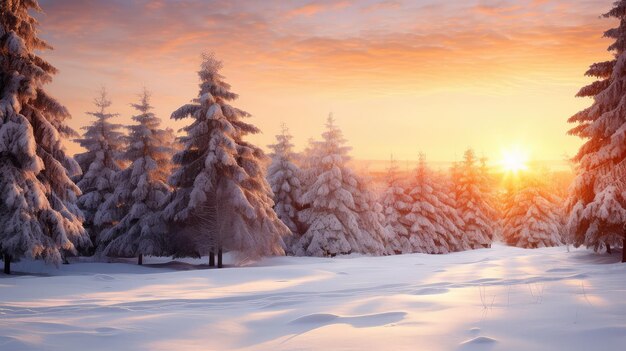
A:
[330,210]
[222,201]
[371,220]
[452,222]
[597,202]
[506,199]
[38,212]
[284,178]
[396,206]
[332,206]
[487,185]
[101,162]
[532,219]
[429,230]
[309,163]
[473,207]
[140,189]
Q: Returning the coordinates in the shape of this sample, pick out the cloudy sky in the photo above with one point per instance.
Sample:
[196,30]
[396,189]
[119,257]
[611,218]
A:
[400,76]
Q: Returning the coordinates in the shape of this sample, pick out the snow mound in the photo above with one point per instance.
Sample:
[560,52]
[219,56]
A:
[478,343]
[364,321]
[431,291]
[317,318]
[479,340]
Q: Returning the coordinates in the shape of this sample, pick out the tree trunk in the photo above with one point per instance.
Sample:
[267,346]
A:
[140,259]
[7,264]
[219,258]
[608,249]
[211,259]
[624,248]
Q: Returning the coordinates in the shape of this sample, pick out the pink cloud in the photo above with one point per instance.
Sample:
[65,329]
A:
[314,8]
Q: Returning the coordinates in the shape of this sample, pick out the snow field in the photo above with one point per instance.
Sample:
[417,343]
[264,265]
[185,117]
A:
[490,299]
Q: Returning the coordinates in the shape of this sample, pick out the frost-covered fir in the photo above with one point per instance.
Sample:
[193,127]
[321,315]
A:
[532,218]
[310,160]
[452,221]
[332,210]
[38,212]
[284,178]
[487,185]
[597,203]
[396,206]
[140,189]
[376,237]
[472,203]
[104,144]
[222,201]
[429,230]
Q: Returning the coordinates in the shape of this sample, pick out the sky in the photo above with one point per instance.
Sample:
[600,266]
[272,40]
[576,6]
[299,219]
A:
[400,77]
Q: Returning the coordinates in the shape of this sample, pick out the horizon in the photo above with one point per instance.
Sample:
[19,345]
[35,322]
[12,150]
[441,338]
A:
[431,80]
[494,165]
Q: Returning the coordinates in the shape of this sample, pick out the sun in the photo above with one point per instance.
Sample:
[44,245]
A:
[514,160]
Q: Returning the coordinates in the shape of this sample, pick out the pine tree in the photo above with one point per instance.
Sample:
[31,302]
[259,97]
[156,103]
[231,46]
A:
[38,212]
[309,163]
[532,219]
[487,185]
[429,228]
[597,204]
[376,238]
[332,208]
[101,162]
[506,200]
[396,206]
[140,189]
[452,223]
[223,201]
[472,204]
[284,178]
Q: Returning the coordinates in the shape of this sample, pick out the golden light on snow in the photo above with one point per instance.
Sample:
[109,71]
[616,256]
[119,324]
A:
[514,160]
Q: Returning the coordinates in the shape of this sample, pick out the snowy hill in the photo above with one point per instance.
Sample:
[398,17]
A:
[491,299]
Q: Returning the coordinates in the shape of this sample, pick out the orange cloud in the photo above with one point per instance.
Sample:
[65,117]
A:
[314,8]
[335,47]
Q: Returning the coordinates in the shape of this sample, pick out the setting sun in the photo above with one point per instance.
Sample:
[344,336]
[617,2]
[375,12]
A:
[514,160]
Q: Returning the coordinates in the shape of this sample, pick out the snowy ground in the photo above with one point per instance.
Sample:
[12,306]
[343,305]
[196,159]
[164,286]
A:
[498,299]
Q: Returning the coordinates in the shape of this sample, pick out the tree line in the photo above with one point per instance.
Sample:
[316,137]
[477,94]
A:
[149,193]
[331,210]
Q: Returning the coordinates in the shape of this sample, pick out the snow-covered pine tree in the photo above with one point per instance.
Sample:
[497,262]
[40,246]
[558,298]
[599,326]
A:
[487,185]
[396,205]
[172,143]
[140,189]
[506,200]
[532,219]
[375,238]
[429,228]
[471,203]
[38,212]
[331,210]
[310,160]
[284,178]
[102,160]
[222,200]
[452,223]
[597,203]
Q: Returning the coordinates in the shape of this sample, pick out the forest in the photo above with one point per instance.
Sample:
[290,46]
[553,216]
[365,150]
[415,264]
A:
[145,190]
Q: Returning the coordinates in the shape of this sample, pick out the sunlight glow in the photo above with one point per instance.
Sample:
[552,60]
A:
[514,160]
